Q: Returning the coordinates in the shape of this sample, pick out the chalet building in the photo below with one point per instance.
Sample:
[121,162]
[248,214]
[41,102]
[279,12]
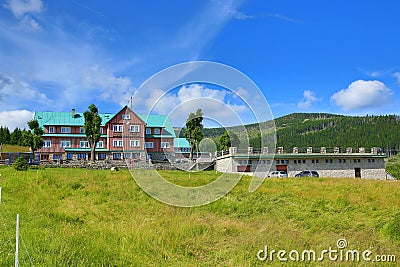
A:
[124,135]
[332,162]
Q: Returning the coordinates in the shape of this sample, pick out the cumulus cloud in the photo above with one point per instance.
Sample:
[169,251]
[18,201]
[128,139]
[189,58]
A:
[218,105]
[308,99]
[15,118]
[362,94]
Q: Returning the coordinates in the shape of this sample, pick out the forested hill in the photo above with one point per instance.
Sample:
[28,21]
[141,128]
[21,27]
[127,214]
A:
[329,130]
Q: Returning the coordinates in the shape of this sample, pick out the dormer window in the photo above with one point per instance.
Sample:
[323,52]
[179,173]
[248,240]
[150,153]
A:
[148,130]
[157,131]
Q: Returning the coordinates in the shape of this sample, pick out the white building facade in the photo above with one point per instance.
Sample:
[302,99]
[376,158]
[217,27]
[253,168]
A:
[336,164]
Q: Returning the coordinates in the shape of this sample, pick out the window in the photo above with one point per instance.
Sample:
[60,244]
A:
[317,161]
[70,156]
[304,161]
[164,144]
[287,161]
[84,144]
[148,130]
[249,162]
[282,161]
[268,161]
[81,155]
[135,143]
[117,128]
[51,130]
[99,144]
[102,156]
[295,161]
[344,161]
[117,143]
[57,157]
[81,130]
[148,156]
[312,161]
[277,161]
[326,161]
[46,144]
[65,129]
[134,128]
[65,144]
[101,130]
[117,156]
[330,161]
[127,155]
[149,145]
[165,157]
[126,116]
[157,131]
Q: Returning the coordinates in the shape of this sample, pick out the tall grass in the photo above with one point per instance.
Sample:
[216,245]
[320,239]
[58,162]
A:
[75,217]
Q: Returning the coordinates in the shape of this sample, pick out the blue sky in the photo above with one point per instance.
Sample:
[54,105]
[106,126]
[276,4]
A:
[305,56]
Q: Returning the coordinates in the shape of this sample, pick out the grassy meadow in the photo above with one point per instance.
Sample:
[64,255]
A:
[77,217]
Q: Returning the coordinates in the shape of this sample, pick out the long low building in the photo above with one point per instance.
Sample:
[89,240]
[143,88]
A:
[328,163]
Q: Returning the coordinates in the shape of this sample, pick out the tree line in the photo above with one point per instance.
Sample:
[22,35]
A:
[11,138]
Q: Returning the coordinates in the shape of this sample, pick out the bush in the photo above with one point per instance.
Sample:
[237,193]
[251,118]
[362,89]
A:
[20,164]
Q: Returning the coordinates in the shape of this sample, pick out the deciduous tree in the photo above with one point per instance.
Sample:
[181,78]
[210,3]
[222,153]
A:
[193,132]
[92,128]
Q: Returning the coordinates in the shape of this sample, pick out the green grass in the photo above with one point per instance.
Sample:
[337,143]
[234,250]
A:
[12,148]
[75,217]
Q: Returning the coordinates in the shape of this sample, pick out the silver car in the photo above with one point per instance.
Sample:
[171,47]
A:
[279,174]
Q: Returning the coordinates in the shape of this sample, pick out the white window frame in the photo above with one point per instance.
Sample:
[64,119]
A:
[101,130]
[157,131]
[118,143]
[135,143]
[165,145]
[100,144]
[65,143]
[148,130]
[149,145]
[126,116]
[65,129]
[52,129]
[84,144]
[134,128]
[118,128]
[81,130]
[46,143]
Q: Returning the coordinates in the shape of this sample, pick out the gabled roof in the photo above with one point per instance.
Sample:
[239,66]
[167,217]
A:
[46,118]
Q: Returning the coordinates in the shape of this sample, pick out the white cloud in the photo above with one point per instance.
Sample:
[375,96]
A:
[16,94]
[309,98]
[22,10]
[397,75]
[15,118]
[108,86]
[362,94]
[21,7]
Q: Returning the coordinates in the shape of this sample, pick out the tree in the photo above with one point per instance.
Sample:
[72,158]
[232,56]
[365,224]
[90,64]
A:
[227,139]
[92,128]
[20,164]
[33,136]
[15,138]
[193,132]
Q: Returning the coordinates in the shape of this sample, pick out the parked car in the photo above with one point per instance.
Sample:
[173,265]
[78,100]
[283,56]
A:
[279,174]
[307,174]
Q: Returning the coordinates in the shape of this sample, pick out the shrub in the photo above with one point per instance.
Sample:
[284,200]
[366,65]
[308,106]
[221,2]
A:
[20,164]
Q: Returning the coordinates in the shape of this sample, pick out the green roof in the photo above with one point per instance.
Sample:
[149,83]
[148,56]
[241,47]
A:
[181,142]
[66,118]
[46,118]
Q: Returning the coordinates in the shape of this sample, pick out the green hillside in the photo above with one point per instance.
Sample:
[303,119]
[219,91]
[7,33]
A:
[328,130]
